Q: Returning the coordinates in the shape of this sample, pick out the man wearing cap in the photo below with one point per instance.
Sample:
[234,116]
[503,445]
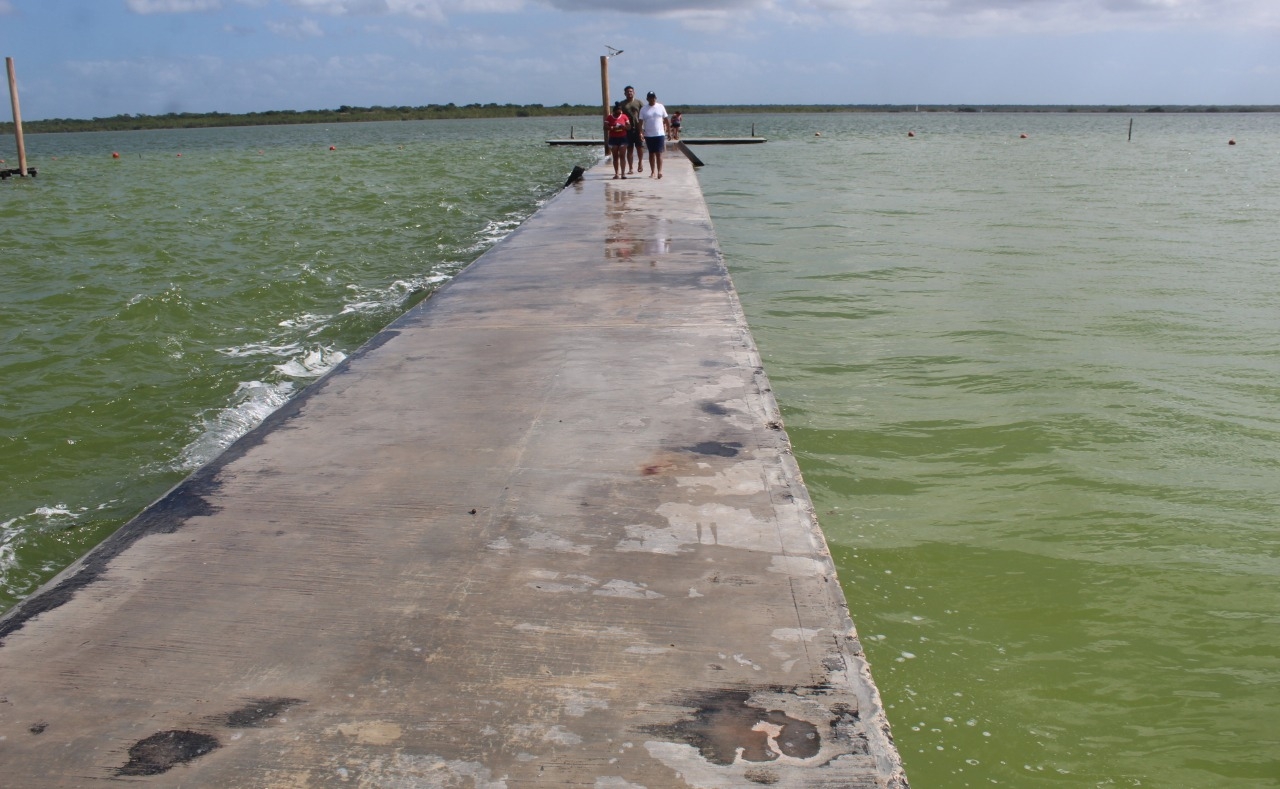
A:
[656,124]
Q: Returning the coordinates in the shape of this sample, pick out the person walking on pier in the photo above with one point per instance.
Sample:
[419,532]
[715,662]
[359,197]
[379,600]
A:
[617,128]
[632,107]
[657,124]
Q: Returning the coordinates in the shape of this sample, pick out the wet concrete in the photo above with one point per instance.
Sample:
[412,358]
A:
[545,530]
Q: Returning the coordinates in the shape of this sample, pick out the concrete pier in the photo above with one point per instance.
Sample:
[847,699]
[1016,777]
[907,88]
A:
[545,530]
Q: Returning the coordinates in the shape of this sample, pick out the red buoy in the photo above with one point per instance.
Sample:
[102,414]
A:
[911,134]
[1232,141]
[333,147]
[1022,136]
[115,154]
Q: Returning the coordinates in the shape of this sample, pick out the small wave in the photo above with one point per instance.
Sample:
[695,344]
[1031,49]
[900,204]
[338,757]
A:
[56,511]
[393,296]
[305,321]
[495,230]
[363,306]
[254,402]
[15,530]
[260,349]
[312,364]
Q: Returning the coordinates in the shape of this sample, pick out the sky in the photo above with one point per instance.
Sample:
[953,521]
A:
[99,58]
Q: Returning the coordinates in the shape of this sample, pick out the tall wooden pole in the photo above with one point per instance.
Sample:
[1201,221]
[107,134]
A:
[604,91]
[604,82]
[17,118]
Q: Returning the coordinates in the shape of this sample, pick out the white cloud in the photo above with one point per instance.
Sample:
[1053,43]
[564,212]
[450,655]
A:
[172,6]
[1002,17]
[662,7]
[296,29]
[417,9]
[341,7]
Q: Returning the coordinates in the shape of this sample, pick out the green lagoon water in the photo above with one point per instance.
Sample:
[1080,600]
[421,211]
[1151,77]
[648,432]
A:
[1033,384]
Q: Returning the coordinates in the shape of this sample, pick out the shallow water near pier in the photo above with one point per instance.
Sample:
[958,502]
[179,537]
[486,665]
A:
[1031,382]
[160,303]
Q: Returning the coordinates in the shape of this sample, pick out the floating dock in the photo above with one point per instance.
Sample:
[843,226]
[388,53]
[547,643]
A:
[685,140]
[545,530]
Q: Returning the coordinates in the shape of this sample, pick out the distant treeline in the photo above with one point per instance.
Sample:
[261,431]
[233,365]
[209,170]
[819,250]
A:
[347,114]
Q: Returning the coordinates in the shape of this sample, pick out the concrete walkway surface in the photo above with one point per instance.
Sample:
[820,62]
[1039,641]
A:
[545,530]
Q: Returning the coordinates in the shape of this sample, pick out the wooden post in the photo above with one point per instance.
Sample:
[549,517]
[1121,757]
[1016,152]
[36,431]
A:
[604,91]
[1131,130]
[17,118]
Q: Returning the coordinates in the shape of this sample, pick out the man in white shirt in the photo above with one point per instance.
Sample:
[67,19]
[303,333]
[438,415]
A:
[656,124]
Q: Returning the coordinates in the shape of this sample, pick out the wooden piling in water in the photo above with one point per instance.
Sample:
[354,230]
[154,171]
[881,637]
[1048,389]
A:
[17,117]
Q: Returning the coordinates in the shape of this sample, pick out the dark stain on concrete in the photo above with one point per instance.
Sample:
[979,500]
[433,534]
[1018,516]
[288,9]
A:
[715,409]
[762,776]
[38,728]
[723,722]
[161,751]
[258,711]
[798,739]
[724,449]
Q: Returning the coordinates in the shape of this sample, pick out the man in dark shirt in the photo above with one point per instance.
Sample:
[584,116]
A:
[635,142]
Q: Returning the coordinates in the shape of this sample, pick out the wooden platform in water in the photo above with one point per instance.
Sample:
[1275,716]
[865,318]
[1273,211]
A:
[685,140]
[545,530]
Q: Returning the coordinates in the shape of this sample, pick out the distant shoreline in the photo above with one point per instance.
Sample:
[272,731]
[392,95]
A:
[347,114]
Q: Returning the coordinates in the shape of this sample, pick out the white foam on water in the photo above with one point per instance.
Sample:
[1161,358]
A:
[253,402]
[260,349]
[393,296]
[304,321]
[311,364]
[495,230]
[8,551]
[14,531]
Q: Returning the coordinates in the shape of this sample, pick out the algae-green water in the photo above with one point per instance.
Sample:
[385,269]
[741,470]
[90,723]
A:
[1033,382]
[164,291]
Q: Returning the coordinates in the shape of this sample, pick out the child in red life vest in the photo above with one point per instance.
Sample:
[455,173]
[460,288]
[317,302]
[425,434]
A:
[616,127]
